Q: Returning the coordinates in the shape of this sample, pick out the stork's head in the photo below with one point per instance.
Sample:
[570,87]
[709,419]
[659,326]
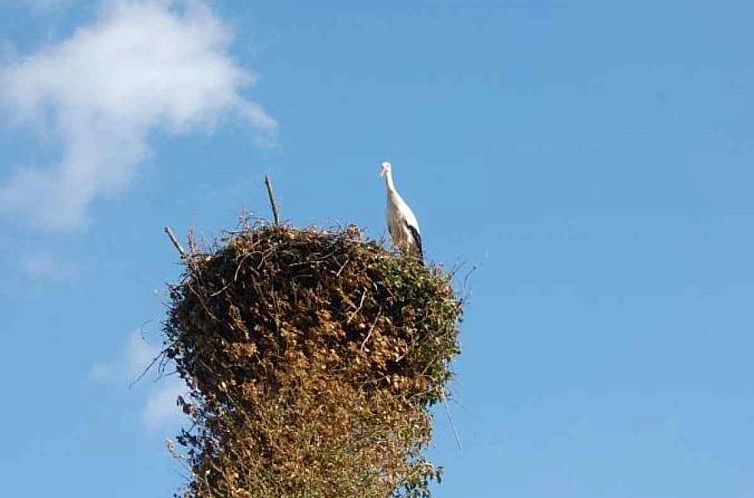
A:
[385,168]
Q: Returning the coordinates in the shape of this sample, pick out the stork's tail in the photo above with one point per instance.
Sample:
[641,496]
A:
[417,242]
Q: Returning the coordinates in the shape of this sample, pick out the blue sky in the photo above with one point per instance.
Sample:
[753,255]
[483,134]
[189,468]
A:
[593,159]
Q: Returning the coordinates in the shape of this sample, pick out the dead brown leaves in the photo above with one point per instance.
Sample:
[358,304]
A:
[313,358]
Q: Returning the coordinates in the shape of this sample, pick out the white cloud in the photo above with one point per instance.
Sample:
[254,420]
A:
[137,355]
[43,265]
[141,66]
[160,409]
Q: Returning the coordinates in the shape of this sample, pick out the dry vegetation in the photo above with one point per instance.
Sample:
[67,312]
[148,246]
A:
[313,358]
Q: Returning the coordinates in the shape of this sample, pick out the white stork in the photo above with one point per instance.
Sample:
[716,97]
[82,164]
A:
[401,222]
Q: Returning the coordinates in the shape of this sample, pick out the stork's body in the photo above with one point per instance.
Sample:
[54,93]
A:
[401,221]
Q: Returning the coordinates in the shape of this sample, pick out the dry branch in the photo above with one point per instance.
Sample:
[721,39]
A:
[175,242]
[273,201]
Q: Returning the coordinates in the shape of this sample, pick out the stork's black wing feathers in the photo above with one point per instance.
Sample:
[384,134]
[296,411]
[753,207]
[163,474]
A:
[418,239]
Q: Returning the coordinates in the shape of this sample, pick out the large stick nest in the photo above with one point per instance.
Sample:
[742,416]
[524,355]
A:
[313,358]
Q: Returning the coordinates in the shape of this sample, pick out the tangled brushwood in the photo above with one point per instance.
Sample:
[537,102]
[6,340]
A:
[313,358]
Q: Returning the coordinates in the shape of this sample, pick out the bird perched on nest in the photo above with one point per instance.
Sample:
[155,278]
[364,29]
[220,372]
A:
[401,222]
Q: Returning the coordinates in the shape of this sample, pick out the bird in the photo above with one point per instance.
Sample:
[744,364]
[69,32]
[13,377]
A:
[401,221]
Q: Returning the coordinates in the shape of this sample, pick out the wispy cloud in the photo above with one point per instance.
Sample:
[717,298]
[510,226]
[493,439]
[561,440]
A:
[43,265]
[137,354]
[160,409]
[141,66]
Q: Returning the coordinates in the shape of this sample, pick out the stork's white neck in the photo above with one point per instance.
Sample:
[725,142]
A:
[389,181]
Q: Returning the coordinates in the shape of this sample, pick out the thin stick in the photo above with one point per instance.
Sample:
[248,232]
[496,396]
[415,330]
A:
[175,242]
[450,419]
[273,202]
[371,329]
[151,364]
[361,303]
